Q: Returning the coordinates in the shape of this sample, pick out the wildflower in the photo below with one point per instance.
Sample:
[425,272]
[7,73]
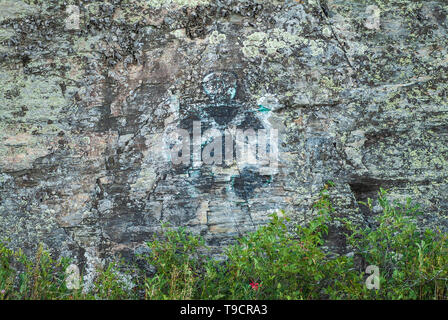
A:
[255,285]
[2,292]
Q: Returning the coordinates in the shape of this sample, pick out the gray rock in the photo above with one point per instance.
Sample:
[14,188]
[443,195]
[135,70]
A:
[356,89]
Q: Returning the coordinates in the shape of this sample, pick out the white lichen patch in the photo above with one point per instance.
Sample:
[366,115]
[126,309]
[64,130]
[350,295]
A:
[179,33]
[145,182]
[253,43]
[217,38]
[326,32]
[373,18]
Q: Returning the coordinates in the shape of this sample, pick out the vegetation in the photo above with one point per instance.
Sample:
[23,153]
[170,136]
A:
[278,261]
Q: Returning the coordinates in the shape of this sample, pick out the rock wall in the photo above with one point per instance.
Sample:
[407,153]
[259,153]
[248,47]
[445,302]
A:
[92,92]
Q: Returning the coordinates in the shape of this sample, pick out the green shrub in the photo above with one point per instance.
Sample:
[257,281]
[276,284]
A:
[114,282]
[413,263]
[286,264]
[179,265]
[277,261]
[273,262]
[25,278]
[44,278]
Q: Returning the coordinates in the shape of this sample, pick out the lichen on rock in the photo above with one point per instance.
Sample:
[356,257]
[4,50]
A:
[357,91]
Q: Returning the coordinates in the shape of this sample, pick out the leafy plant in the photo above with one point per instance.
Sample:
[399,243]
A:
[278,261]
[176,257]
[413,263]
[24,278]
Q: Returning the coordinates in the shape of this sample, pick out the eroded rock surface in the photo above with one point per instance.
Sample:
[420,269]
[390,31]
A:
[356,89]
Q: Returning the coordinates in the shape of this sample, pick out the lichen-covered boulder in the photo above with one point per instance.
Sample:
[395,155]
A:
[92,93]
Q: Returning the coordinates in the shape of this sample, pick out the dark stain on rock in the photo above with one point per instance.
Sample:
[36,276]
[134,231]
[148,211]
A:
[440,14]
[249,179]
[222,114]
[198,19]
[11,94]
[25,60]
[20,113]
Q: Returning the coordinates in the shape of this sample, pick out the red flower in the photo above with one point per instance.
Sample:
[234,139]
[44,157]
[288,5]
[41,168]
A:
[255,285]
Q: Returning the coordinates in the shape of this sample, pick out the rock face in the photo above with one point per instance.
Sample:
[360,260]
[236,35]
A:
[93,93]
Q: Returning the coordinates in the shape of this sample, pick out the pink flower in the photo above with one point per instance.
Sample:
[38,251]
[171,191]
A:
[255,285]
[2,292]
